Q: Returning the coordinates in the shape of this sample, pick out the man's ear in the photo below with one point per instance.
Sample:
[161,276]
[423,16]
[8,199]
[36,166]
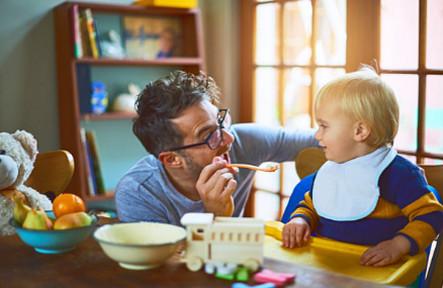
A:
[170,159]
[361,131]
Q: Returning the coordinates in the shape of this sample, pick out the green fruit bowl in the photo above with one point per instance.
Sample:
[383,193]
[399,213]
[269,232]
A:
[54,241]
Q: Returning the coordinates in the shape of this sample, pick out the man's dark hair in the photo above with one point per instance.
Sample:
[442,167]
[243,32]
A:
[164,99]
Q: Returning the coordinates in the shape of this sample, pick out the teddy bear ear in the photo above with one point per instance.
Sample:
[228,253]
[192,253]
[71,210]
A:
[28,142]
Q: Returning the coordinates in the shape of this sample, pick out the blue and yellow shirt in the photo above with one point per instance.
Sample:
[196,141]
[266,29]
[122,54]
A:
[406,206]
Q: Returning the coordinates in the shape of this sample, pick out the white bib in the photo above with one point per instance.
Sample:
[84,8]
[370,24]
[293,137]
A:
[349,191]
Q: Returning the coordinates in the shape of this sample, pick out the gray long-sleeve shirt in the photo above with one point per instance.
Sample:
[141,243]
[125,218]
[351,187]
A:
[146,194]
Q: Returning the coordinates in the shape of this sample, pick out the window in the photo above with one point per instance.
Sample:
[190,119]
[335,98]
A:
[413,66]
[299,46]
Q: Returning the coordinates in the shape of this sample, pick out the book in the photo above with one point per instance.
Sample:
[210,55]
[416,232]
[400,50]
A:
[78,49]
[98,39]
[91,33]
[84,35]
[92,143]
[90,174]
[83,75]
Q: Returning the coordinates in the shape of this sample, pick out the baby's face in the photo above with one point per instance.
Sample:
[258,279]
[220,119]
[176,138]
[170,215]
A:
[335,132]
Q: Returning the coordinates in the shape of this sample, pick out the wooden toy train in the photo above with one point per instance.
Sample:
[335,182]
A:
[223,241]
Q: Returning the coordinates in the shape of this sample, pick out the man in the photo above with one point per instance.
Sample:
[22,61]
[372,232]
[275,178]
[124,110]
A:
[190,142]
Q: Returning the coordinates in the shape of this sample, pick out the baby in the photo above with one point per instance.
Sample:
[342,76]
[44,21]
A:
[365,193]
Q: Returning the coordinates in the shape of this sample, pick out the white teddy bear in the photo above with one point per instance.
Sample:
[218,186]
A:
[17,155]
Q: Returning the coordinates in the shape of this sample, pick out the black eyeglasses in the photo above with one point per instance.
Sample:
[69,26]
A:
[215,138]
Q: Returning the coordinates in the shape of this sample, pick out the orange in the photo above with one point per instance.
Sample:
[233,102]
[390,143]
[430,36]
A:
[66,203]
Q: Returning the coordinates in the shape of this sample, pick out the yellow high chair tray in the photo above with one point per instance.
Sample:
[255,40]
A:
[339,257]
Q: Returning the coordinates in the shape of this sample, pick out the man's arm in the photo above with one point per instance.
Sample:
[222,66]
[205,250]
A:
[256,143]
[133,207]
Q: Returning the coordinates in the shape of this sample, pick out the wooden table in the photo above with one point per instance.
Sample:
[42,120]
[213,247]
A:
[88,266]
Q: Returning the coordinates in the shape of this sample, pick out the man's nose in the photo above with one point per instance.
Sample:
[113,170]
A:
[228,138]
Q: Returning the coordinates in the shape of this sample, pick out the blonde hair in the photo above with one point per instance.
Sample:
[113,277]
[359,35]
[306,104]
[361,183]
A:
[364,96]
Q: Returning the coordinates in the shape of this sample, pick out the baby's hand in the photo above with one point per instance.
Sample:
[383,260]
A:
[296,233]
[386,252]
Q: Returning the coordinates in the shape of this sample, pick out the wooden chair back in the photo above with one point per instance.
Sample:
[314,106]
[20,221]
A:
[52,172]
[308,161]
[434,175]
[434,278]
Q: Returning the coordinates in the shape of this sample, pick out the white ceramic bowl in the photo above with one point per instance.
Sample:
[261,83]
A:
[141,245]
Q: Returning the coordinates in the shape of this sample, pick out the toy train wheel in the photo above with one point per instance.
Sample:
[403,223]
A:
[251,264]
[194,263]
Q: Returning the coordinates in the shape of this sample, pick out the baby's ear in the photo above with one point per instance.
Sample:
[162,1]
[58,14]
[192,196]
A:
[361,131]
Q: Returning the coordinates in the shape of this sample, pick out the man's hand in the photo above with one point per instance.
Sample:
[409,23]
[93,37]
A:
[386,252]
[296,233]
[215,186]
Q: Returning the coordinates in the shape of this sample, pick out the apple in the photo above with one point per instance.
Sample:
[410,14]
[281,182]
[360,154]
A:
[72,220]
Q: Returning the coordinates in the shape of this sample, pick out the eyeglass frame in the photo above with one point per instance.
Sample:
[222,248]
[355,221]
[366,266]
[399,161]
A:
[220,127]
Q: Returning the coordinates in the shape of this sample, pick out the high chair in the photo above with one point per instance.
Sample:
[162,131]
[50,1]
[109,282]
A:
[310,160]
[434,278]
[52,172]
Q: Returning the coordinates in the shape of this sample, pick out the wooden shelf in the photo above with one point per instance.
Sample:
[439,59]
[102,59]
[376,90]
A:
[74,76]
[176,61]
[108,116]
[133,9]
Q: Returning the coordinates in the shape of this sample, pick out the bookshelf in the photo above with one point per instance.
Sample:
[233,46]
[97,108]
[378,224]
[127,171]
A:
[118,149]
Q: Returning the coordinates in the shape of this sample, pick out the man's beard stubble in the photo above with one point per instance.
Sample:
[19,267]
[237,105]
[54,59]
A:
[194,169]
